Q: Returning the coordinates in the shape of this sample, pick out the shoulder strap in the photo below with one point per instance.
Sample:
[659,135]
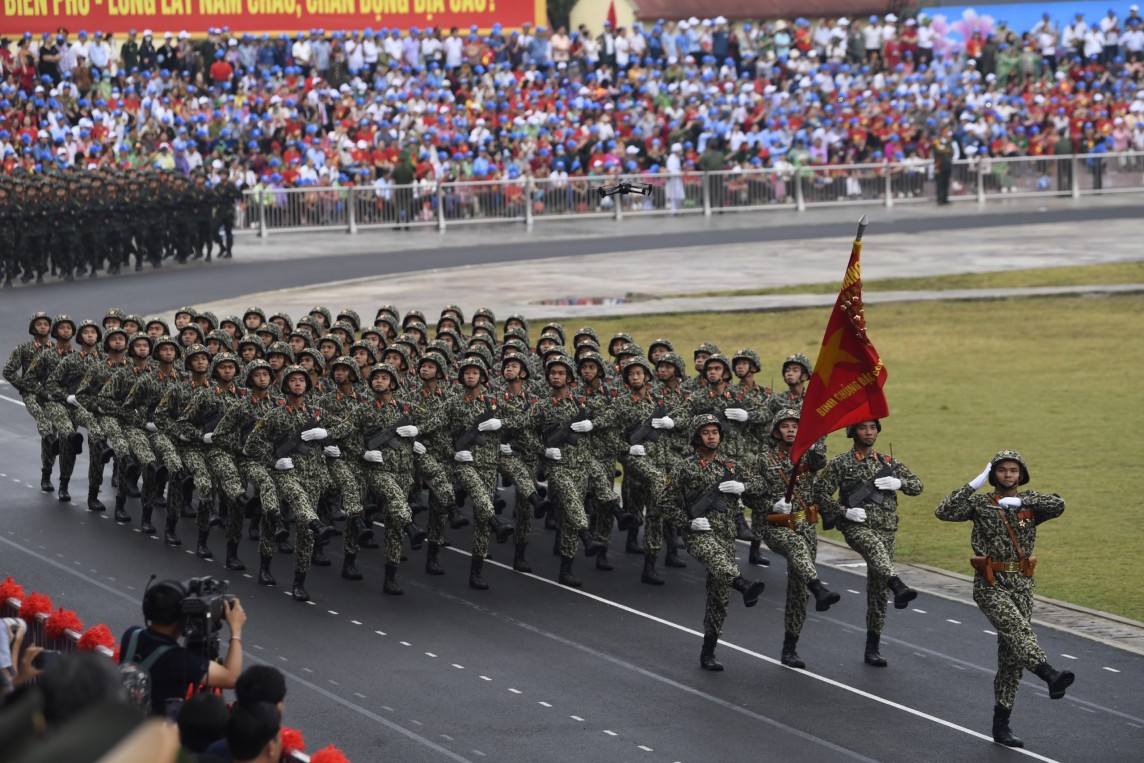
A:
[1012,536]
[150,660]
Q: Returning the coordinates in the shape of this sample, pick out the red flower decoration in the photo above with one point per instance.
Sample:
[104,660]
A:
[60,621]
[10,589]
[329,754]
[34,604]
[95,637]
[292,740]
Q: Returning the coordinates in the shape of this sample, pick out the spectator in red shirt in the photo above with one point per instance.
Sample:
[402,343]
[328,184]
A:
[221,70]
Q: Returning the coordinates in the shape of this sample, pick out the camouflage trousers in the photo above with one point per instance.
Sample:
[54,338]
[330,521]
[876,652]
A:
[428,470]
[567,488]
[166,452]
[716,552]
[254,473]
[1009,608]
[225,472]
[601,496]
[297,491]
[36,411]
[58,422]
[877,548]
[799,547]
[480,484]
[346,478]
[522,474]
[393,492]
[644,486]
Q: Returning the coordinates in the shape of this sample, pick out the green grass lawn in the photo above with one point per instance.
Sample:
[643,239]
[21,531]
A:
[1058,379]
[1111,273]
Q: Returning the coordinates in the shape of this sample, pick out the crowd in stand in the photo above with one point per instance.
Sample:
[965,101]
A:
[392,107]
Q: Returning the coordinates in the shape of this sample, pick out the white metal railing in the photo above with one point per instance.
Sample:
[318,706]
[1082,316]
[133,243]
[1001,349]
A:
[529,200]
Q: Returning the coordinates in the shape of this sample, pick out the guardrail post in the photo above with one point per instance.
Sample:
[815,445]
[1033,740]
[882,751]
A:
[799,199]
[980,181]
[441,207]
[262,230]
[351,212]
[617,207]
[1075,162]
[889,186]
[529,190]
[706,194]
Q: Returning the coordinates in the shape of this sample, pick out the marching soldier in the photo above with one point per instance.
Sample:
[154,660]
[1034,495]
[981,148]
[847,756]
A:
[40,328]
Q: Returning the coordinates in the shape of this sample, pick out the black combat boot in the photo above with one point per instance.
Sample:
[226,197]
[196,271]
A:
[131,472]
[633,546]
[790,656]
[46,481]
[756,557]
[566,577]
[1001,733]
[823,599]
[75,440]
[671,540]
[432,566]
[299,591]
[603,562]
[707,659]
[625,520]
[318,558]
[539,505]
[673,537]
[1057,680]
[650,576]
[232,561]
[63,495]
[873,657]
[457,519]
[253,531]
[281,531]
[201,550]
[285,547]
[349,569]
[751,590]
[475,579]
[743,530]
[416,536]
[93,502]
[363,530]
[264,576]
[169,536]
[145,521]
[390,585]
[550,520]
[592,547]
[498,505]
[121,515]
[519,563]
[903,594]
[322,533]
[503,530]
[51,444]
[556,544]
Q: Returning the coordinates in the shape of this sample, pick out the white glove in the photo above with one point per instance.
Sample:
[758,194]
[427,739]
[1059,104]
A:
[582,426]
[317,433]
[418,448]
[665,423]
[333,451]
[208,438]
[491,425]
[552,454]
[506,449]
[701,525]
[463,457]
[782,506]
[637,450]
[735,414]
[408,431]
[979,480]
[72,400]
[150,427]
[856,514]
[888,483]
[284,464]
[373,456]
[732,486]
[1010,503]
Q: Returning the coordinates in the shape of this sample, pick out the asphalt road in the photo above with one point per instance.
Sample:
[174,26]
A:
[530,670]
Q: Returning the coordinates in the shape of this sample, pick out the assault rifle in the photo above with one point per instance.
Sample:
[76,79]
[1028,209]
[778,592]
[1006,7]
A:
[380,436]
[855,492]
[642,432]
[710,499]
[559,436]
[464,439]
[288,446]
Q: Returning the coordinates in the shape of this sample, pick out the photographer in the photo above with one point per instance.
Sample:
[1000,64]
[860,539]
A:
[176,669]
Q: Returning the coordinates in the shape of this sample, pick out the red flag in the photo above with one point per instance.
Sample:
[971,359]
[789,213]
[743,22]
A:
[846,386]
[611,18]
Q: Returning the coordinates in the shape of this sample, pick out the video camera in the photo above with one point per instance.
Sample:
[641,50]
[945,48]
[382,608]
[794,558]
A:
[623,188]
[204,610]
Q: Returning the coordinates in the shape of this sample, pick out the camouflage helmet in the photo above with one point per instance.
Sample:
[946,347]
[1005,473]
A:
[402,350]
[313,354]
[192,326]
[232,320]
[676,360]
[162,323]
[435,357]
[853,428]
[458,340]
[369,331]
[596,358]
[350,316]
[186,310]
[223,339]
[390,323]
[252,340]
[191,351]
[254,310]
[472,361]
[521,360]
[660,342]
[167,340]
[110,333]
[285,317]
[363,344]
[631,349]
[710,348]
[58,321]
[348,362]
[518,318]
[555,328]
[561,360]
[483,340]
[271,329]
[458,313]
[412,316]
[482,352]
[642,362]
[483,315]
[750,355]
[718,358]
[390,310]
[1008,455]
[622,337]
[514,344]
[377,368]
[253,366]
[412,348]
[550,336]
[799,359]
[306,337]
[291,371]
[322,311]
[440,347]
[225,357]
[585,332]
[700,421]
[786,414]
[209,317]
[41,315]
[115,313]
[306,322]
[336,342]
[586,344]
[345,327]
[138,336]
[136,319]
[88,323]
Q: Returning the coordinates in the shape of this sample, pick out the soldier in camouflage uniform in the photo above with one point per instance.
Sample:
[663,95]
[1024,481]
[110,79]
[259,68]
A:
[40,328]
[796,373]
[1005,524]
[297,428]
[698,383]
[66,440]
[64,380]
[132,450]
[788,527]
[869,525]
[86,412]
[704,490]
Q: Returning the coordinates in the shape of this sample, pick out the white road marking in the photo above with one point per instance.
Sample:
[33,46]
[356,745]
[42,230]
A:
[1111,670]
[387,707]
[1067,656]
[478,752]
[955,622]
[355,622]
[282,658]
[645,748]
[485,678]
[419,723]
[406,643]
[516,691]
[430,654]
[544,703]
[919,611]
[256,646]
[332,612]
[447,738]
[380,633]
[359,696]
[13,400]
[991,633]
[307,670]
[458,667]
[851,590]
[611,733]
[576,718]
